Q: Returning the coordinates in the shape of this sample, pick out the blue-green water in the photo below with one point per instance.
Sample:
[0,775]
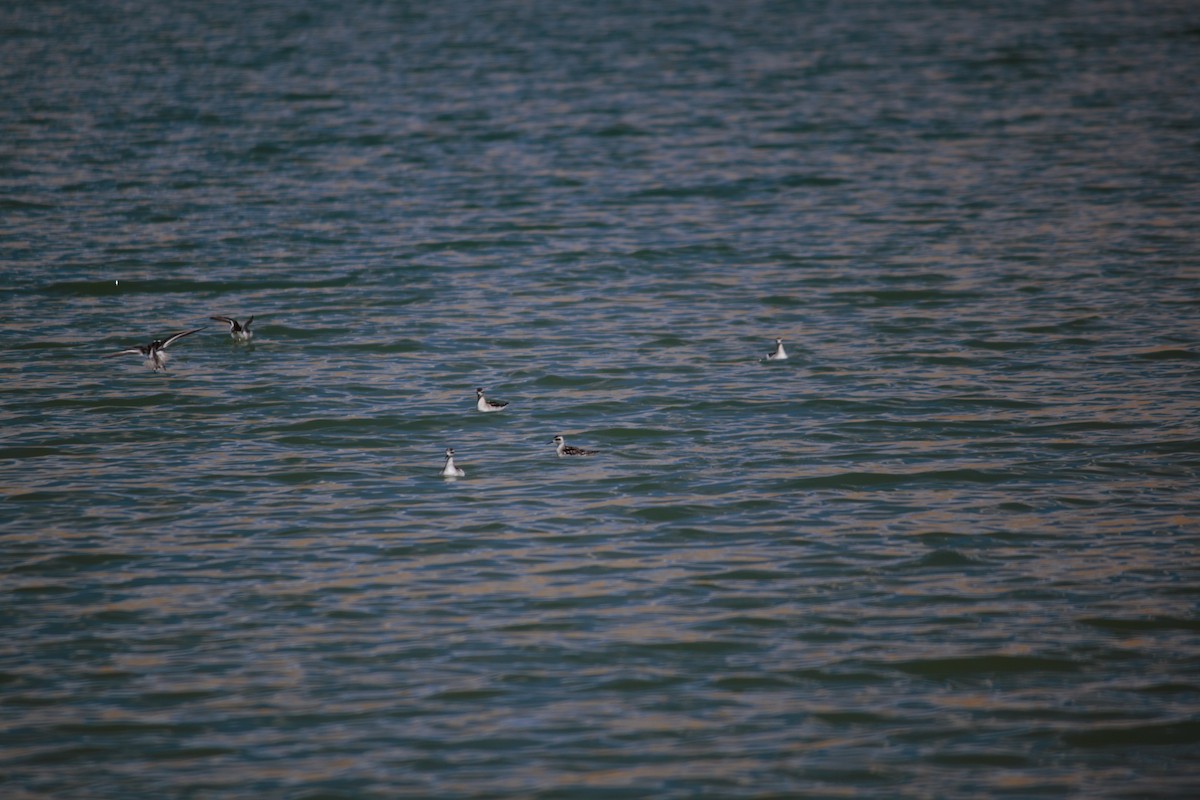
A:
[948,549]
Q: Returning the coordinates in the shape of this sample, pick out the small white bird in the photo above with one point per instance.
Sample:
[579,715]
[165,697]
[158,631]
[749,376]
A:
[483,404]
[451,471]
[155,352]
[239,332]
[564,449]
[778,354]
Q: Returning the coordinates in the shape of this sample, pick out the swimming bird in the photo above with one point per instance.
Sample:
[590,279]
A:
[451,471]
[155,352]
[483,404]
[239,332]
[565,449]
[778,354]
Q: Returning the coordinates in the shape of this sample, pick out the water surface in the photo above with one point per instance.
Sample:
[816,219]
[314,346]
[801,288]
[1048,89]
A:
[947,549]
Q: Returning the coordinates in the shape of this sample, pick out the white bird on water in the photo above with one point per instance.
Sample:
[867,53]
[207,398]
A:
[239,331]
[564,449]
[155,352]
[778,354]
[483,404]
[451,471]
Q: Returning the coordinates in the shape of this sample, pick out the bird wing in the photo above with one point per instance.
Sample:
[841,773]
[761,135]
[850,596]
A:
[167,342]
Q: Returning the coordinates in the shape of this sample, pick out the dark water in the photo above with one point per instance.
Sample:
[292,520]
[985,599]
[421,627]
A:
[948,549]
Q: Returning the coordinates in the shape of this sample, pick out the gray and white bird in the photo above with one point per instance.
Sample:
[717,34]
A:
[155,353]
[778,354]
[483,404]
[239,331]
[564,449]
[450,470]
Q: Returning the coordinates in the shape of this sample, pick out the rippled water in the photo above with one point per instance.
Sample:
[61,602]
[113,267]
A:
[948,549]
